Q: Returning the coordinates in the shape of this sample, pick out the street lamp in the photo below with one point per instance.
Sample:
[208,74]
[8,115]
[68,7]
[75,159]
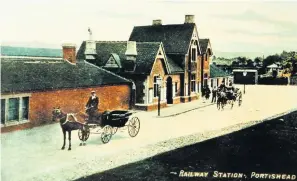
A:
[159,83]
[244,74]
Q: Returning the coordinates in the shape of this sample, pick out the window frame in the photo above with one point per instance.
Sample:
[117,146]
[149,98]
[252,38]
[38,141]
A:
[193,82]
[20,109]
[155,86]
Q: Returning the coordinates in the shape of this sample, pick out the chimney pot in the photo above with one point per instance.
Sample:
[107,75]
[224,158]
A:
[157,22]
[69,52]
[189,19]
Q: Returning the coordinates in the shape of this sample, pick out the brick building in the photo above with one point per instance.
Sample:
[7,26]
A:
[141,62]
[32,86]
[181,46]
[206,53]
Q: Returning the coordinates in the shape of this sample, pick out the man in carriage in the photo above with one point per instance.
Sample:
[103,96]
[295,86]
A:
[92,109]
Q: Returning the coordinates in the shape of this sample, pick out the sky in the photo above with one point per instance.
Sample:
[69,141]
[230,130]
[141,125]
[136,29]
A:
[264,27]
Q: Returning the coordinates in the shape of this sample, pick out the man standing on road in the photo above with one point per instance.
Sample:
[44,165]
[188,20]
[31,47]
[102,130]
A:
[214,95]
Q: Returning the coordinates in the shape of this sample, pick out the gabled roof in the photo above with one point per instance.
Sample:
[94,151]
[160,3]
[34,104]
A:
[31,52]
[175,38]
[273,66]
[217,72]
[204,44]
[19,76]
[174,67]
[146,54]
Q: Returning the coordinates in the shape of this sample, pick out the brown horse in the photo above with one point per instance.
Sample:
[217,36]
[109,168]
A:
[68,123]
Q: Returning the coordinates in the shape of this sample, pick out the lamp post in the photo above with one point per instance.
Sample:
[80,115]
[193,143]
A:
[159,83]
[244,74]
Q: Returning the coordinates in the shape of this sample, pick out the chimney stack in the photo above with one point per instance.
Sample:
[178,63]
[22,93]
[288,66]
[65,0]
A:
[131,50]
[131,54]
[90,47]
[157,22]
[189,19]
[69,52]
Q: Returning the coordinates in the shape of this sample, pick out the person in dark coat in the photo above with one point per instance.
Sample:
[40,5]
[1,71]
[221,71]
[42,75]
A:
[214,95]
[222,87]
[207,92]
[92,106]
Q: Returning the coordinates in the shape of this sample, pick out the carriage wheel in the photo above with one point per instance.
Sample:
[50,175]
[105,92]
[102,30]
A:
[106,134]
[134,126]
[114,130]
[83,135]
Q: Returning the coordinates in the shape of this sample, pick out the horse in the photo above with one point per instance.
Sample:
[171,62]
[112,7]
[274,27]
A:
[68,125]
[225,97]
[222,99]
[238,95]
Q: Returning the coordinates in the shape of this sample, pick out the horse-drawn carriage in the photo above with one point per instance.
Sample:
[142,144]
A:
[109,124]
[229,96]
[105,124]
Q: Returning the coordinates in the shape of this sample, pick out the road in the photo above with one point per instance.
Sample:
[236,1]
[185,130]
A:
[35,154]
[266,151]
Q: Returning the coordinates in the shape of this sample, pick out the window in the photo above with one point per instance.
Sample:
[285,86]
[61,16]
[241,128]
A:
[2,111]
[155,86]
[25,108]
[193,83]
[175,87]
[193,54]
[14,109]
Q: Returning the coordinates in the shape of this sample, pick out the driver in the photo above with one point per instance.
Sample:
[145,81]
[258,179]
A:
[92,105]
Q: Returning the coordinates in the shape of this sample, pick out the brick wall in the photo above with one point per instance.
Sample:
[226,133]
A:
[72,100]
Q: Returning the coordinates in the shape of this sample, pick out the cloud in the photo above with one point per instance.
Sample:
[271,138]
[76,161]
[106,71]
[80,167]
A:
[251,15]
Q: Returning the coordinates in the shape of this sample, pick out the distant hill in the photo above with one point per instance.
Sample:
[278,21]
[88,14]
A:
[250,55]
[31,52]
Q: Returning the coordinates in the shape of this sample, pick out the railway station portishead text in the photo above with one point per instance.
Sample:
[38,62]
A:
[217,174]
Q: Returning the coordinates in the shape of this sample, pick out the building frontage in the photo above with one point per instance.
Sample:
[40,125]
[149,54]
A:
[140,62]
[251,76]
[170,52]
[32,86]
[181,46]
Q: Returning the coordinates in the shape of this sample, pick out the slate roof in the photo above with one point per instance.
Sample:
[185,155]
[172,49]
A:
[174,67]
[175,38]
[146,54]
[32,52]
[203,45]
[217,72]
[19,76]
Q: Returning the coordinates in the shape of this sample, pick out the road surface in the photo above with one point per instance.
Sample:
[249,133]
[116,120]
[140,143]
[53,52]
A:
[35,154]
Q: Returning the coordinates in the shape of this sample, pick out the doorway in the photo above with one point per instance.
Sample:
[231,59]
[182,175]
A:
[169,91]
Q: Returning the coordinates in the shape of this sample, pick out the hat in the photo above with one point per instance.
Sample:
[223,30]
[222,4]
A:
[92,91]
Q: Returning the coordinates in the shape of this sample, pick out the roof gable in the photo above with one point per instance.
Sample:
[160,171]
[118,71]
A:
[205,46]
[113,61]
[175,38]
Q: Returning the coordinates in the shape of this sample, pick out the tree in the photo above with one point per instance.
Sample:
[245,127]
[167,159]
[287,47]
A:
[250,63]
[271,59]
[258,60]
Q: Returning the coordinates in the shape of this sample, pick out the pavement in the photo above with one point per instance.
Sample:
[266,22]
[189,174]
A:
[35,154]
